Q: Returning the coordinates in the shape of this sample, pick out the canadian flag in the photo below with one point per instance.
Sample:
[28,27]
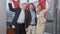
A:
[43,3]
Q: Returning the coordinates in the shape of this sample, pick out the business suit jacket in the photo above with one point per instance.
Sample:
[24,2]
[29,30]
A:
[17,12]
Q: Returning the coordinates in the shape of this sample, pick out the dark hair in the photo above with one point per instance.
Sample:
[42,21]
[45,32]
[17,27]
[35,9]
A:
[32,4]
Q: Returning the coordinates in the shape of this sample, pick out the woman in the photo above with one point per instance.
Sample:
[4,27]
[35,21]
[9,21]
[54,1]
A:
[40,19]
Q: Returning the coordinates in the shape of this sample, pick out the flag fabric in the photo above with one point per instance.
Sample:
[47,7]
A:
[16,4]
[43,3]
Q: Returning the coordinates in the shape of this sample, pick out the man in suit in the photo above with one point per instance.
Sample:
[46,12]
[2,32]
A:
[32,20]
[20,18]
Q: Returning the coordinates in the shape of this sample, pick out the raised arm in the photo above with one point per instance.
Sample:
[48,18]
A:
[48,6]
[11,8]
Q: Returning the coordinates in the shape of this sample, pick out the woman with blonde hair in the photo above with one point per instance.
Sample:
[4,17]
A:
[40,18]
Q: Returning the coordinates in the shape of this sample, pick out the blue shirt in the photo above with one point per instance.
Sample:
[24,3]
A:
[33,17]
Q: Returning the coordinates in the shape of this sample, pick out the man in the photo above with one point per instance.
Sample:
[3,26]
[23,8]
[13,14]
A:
[20,19]
[32,20]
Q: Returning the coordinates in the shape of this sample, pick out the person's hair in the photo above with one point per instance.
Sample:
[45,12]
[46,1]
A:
[25,4]
[39,5]
[32,4]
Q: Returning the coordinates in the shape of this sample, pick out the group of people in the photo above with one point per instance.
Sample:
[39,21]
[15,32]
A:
[31,21]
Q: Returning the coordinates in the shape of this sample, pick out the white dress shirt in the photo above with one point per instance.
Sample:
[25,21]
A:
[21,17]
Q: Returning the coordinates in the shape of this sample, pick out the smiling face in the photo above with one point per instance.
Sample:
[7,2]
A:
[39,7]
[31,7]
[24,6]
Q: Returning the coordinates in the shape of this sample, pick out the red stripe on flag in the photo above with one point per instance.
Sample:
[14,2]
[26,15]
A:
[43,3]
[16,4]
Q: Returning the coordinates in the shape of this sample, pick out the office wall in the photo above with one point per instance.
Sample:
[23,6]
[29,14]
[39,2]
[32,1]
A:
[2,17]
